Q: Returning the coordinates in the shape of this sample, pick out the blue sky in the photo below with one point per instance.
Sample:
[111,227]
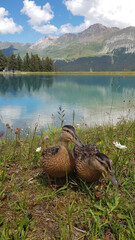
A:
[28,21]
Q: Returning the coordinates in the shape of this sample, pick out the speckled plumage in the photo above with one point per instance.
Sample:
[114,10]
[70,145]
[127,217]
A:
[57,161]
[90,164]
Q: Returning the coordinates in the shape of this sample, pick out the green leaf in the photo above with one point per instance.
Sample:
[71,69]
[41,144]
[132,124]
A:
[120,216]
[132,230]
[99,207]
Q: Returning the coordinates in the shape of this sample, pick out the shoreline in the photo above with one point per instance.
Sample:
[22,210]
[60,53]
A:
[118,73]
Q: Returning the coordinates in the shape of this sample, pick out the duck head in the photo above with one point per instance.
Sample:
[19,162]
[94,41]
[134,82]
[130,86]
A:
[68,134]
[104,164]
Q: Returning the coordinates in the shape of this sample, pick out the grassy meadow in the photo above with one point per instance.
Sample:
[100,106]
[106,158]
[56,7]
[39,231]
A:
[72,209]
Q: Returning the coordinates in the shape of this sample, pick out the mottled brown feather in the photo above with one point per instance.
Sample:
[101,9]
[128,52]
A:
[85,162]
[57,161]
[90,164]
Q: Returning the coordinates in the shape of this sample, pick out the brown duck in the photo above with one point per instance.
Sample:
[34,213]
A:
[90,164]
[57,161]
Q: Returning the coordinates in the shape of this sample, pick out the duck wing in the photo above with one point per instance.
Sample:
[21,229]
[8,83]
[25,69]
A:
[50,151]
[104,159]
[81,153]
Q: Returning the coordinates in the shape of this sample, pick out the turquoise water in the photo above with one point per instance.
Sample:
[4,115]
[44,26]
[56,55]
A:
[27,100]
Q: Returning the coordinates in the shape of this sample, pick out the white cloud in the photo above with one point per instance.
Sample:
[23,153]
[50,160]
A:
[10,114]
[7,25]
[78,7]
[39,18]
[110,13]
[45,29]
[37,14]
[68,28]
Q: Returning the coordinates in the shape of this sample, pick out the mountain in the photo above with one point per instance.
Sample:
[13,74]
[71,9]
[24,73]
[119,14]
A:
[90,42]
[44,43]
[124,38]
[96,41]
[12,47]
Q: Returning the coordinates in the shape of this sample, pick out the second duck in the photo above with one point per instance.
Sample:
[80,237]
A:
[90,164]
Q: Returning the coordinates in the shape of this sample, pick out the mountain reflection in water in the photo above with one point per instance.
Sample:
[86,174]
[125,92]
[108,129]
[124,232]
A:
[28,99]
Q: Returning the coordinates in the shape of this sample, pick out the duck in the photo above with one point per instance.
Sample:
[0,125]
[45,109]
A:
[90,164]
[57,161]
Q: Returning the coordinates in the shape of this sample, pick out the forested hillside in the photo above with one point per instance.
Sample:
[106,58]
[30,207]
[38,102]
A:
[118,62]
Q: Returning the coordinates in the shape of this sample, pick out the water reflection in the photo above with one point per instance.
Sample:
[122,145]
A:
[25,100]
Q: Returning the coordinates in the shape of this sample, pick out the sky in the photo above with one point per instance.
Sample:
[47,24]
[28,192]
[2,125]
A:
[28,21]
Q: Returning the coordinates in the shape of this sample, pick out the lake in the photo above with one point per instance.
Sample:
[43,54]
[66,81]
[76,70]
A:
[29,99]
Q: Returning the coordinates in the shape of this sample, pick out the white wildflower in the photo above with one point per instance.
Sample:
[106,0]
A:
[118,145]
[38,149]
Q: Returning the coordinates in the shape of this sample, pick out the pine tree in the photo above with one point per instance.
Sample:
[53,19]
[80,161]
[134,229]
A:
[26,63]
[12,62]
[31,63]
[19,63]
[48,65]
[3,61]
[35,63]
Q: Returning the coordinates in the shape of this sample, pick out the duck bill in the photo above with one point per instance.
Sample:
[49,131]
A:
[113,179]
[78,142]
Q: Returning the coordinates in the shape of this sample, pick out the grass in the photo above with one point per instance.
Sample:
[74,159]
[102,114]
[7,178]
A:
[117,73]
[72,209]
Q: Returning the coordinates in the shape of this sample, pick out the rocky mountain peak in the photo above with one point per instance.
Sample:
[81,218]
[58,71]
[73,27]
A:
[44,42]
[67,37]
[95,29]
[98,30]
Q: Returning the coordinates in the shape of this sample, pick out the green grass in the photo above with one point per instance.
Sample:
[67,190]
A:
[72,209]
[127,73]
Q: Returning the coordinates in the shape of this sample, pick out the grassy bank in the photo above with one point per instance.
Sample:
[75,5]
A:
[117,73]
[72,209]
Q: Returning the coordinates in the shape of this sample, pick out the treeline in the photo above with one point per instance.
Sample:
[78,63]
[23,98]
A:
[118,61]
[30,63]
